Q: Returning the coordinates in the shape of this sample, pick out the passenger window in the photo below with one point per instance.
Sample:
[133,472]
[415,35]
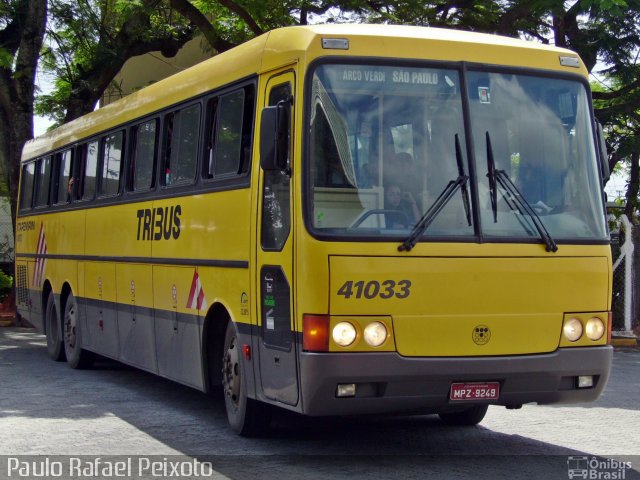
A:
[66,184]
[229,148]
[26,192]
[229,134]
[181,146]
[143,166]
[111,164]
[89,170]
[44,181]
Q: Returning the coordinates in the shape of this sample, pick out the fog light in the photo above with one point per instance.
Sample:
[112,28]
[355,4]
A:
[595,328]
[346,390]
[375,334]
[344,334]
[572,329]
[585,381]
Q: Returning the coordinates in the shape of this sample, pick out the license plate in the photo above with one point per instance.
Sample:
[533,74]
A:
[474,391]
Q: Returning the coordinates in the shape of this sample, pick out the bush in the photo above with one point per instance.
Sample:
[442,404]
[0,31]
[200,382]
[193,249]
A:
[6,283]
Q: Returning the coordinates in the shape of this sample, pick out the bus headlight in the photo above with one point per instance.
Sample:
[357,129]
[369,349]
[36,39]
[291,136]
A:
[344,334]
[572,329]
[595,328]
[375,334]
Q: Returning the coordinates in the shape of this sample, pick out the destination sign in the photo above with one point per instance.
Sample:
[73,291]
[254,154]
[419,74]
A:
[397,76]
[392,78]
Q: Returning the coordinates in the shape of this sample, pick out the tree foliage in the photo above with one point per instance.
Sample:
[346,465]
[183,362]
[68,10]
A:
[89,41]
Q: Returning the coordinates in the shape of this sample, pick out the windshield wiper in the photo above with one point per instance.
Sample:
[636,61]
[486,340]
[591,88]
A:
[447,194]
[463,187]
[500,177]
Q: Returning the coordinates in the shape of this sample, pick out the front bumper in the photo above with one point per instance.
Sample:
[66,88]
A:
[389,382]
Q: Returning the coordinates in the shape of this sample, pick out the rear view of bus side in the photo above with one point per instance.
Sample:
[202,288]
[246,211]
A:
[333,220]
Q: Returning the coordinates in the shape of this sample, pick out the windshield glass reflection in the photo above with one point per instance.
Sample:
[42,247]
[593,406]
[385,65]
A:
[541,136]
[382,146]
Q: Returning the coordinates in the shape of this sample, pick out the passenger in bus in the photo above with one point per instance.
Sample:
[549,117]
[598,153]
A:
[70,184]
[402,210]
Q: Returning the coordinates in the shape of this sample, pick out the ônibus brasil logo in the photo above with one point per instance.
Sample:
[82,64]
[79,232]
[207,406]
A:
[597,468]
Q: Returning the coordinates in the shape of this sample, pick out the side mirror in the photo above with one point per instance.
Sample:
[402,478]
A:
[274,137]
[604,157]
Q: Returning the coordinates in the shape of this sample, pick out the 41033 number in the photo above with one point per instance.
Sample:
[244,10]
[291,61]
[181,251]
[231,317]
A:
[374,289]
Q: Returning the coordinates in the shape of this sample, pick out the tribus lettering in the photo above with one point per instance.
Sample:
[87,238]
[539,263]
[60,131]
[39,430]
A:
[159,223]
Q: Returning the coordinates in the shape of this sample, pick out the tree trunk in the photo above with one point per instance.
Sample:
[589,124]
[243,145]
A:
[17,89]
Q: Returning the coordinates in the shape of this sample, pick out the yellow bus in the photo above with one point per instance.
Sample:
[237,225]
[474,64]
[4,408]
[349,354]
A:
[334,220]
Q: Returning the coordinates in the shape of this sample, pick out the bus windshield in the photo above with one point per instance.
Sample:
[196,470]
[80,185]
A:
[386,144]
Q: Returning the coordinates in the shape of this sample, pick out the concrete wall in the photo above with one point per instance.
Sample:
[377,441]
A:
[143,70]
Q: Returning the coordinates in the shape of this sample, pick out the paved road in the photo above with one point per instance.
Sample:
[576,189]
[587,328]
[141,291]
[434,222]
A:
[47,408]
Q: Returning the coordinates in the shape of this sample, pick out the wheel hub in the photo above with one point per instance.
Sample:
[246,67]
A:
[70,327]
[231,372]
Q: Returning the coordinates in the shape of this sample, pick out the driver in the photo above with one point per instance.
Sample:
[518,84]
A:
[402,208]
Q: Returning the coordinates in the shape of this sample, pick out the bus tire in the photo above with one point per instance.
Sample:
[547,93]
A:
[55,344]
[247,417]
[77,357]
[469,417]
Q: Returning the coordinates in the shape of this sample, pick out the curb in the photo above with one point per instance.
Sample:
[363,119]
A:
[625,341]
[7,319]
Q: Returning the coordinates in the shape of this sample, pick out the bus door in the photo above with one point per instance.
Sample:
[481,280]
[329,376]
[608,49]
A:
[277,346]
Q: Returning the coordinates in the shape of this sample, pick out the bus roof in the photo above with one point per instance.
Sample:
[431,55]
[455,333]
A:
[288,45]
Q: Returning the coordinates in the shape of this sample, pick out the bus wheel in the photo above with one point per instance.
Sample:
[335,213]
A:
[55,345]
[469,417]
[76,356]
[247,417]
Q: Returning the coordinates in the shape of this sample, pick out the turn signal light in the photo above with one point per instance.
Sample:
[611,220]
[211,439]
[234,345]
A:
[315,333]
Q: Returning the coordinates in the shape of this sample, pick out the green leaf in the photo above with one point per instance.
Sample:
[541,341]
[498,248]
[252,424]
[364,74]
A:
[6,59]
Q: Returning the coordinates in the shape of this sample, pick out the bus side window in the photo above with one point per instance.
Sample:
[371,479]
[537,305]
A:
[143,157]
[89,170]
[65,183]
[228,145]
[28,182]
[111,164]
[43,182]
[228,151]
[181,146]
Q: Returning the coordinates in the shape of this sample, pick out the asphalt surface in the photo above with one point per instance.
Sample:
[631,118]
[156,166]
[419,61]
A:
[117,412]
